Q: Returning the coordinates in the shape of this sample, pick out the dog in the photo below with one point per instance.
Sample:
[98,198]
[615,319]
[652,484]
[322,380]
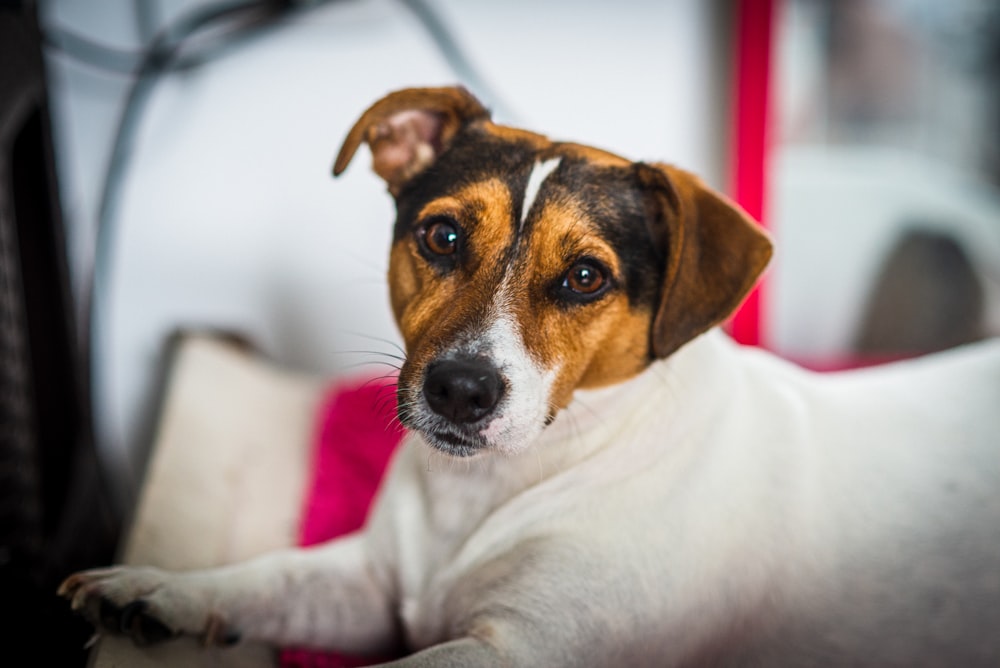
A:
[614,481]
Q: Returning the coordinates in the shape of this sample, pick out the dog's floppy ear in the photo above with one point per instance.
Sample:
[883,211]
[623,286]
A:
[713,252]
[408,129]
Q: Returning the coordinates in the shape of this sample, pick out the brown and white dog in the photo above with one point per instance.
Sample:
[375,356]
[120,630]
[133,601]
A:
[633,488]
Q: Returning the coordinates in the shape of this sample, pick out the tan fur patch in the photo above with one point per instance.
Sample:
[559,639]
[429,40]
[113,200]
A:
[591,344]
[516,135]
[595,156]
[430,307]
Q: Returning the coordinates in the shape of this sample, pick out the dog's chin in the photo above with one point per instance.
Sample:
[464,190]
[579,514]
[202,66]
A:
[455,445]
[464,442]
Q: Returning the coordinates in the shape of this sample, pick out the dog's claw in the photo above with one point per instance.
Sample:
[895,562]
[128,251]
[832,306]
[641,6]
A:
[106,613]
[88,595]
[217,633]
[144,628]
[133,620]
[129,613]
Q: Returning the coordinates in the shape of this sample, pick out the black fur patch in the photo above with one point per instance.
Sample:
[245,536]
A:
[609,195]
[612,199]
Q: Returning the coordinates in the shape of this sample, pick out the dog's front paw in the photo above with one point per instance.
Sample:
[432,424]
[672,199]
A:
[146,604]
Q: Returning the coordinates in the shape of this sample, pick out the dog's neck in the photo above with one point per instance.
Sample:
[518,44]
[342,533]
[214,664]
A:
[680,393]
[681,396]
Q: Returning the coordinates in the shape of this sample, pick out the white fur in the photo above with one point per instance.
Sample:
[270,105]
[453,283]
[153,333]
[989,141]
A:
[723,507]
[520,417]
[539,173]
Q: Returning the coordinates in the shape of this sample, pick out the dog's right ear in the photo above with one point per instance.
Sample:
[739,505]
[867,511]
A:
[408,129]
[714,254]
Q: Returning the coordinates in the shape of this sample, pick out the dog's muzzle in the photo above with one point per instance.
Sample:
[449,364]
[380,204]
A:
[482,393]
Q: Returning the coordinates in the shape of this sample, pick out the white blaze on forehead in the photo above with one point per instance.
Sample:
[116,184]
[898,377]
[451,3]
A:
[539,173]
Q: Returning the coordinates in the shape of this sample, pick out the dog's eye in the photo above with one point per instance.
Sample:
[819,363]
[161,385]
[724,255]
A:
[585,278]
[439,237]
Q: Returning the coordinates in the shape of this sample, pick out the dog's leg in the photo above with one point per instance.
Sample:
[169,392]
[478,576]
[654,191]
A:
[327,596]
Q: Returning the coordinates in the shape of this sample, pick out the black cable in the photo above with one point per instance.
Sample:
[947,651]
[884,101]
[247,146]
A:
[88,52]
[147,18]
[456,58]
[156,60]
[114,60]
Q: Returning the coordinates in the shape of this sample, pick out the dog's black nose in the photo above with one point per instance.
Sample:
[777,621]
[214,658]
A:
[462,390]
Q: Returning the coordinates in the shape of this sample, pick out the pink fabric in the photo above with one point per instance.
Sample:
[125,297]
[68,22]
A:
[751,146]
[356,434]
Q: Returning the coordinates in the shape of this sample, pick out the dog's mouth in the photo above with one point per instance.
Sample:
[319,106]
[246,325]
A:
[455,444]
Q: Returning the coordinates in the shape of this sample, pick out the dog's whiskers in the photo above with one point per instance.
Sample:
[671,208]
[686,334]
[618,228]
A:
[394,356]
[367,363]
[371,337]
[384,399]
[377,379]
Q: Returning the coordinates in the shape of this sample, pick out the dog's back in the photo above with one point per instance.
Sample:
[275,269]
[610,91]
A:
[900,505]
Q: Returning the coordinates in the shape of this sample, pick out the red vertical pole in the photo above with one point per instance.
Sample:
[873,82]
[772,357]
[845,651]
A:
[748,160]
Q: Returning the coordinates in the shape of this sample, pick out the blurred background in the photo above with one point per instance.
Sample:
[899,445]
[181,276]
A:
[166,166]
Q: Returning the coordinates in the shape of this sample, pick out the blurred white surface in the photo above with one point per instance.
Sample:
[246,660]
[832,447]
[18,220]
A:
[837,213]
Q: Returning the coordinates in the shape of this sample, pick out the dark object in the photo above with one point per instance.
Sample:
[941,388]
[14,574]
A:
[55,513]
[927,298]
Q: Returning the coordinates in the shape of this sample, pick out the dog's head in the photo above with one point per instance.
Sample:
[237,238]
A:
[523,269]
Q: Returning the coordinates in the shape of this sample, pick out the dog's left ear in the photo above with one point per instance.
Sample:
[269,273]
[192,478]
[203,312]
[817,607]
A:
[713,251]
[408,129]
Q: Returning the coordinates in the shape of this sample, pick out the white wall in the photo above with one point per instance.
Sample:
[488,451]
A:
[228,216]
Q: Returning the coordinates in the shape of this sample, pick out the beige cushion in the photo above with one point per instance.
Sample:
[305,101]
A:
[225,480]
